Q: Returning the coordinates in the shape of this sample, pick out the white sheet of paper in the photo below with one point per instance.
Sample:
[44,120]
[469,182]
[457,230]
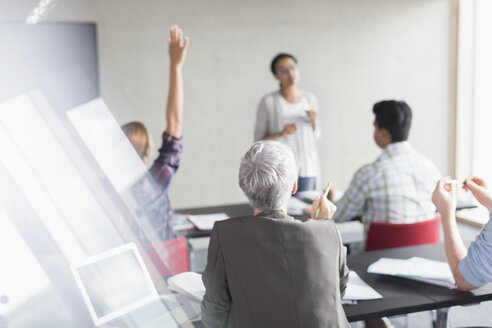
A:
[358,289]
[189,284]
[206,221]
[415,266]
[351,232]
[295,206]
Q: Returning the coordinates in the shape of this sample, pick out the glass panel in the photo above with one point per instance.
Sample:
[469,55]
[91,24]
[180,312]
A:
[482,121]
[27,298]
[54,186]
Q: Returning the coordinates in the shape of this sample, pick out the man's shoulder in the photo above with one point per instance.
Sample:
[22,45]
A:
[422,163]
[287,221]
[241,220]
[367,171]
[312,227]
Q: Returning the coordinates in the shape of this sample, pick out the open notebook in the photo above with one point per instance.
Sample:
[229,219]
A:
[358,290]
[416,268]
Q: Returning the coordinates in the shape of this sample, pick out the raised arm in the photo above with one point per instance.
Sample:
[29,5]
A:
[444,197]
[177,53]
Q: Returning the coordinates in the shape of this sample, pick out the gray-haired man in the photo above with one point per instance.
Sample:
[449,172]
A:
[270,270]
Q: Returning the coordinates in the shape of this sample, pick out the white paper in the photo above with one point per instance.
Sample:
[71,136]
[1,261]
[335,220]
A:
[309,195]
[189,284]
[206,221]
[295,206]
[357,289]
[351,232]
[415,266]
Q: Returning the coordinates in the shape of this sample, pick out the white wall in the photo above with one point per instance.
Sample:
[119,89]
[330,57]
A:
[351,54]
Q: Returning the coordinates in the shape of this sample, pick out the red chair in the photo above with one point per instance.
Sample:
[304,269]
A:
[383,235]
[170,257]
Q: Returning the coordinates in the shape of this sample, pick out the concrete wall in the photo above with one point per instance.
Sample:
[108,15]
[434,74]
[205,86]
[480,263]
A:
[351,54]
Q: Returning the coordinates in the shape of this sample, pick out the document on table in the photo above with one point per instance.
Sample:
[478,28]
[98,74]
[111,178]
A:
[351,231]
[416,268]
[295,206]
[358,289]
[189,284]
[206,221]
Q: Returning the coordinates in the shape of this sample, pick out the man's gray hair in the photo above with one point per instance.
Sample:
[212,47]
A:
[267,174]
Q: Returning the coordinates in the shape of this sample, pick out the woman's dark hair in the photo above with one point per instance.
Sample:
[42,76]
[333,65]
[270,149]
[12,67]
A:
[275,60]
[394,116]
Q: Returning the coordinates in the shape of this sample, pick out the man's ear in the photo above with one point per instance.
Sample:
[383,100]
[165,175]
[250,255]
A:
[294,187]
[386,135]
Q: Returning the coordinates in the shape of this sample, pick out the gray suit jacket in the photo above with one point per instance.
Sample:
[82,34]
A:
[272,270]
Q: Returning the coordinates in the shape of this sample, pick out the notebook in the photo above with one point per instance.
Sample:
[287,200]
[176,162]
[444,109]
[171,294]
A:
[358,289]
[189,284]
[416,268]
[118,291]
[206,221]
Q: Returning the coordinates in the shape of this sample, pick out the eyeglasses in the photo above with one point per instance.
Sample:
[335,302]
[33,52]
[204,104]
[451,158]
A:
[286,69]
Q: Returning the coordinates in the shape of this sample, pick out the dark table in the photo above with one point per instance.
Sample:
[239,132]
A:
[233,210]
[402,296]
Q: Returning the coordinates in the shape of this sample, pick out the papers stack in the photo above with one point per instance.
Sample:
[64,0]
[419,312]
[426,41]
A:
[416,268]
[351,231]
[189,284]
[295,206]
[206,221]
[358,289]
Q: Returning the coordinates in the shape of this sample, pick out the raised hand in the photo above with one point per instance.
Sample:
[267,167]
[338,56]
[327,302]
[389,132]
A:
[444,197]
[479,189]
[177,46]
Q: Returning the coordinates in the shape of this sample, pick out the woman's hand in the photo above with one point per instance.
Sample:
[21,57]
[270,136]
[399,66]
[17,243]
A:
[479,189]
[312,117]
[444,198]
[177,46]
[289,129]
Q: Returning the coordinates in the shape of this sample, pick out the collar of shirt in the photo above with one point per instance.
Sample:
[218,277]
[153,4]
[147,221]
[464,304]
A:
[397,148]
[273,214]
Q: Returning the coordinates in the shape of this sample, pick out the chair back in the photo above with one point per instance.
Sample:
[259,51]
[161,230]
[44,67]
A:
[170,257]
[382,235]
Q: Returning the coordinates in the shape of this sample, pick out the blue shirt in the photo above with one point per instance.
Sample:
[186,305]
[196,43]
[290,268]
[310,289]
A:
[476,267]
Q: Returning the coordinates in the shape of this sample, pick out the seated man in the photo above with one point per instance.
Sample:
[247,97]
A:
[471,268]
[271,270]
[397,187]
[166,164]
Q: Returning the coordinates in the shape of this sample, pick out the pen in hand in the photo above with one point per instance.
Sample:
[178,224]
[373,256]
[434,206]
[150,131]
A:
[325,193]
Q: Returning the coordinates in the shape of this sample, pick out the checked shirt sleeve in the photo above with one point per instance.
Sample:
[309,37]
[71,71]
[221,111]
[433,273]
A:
[167,162]
[353,200]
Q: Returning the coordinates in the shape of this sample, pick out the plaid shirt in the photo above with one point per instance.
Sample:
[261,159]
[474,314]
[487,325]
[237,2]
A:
[151,193]
[396,188]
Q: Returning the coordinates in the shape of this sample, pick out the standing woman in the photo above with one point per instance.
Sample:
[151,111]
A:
[290,115]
